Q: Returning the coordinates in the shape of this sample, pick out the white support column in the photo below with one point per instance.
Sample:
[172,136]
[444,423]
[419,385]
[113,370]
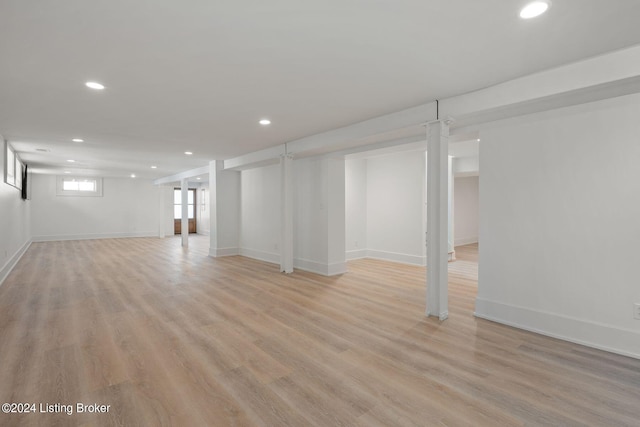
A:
[450,192]
[335,208]
[286,213]
[214,167]
[437,219]
[184,192]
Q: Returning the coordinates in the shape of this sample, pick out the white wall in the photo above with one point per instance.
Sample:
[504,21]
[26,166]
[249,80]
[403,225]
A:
[559,223]
[466,214]
[128,208]
[335,216]
[15,222]
[260,213]
[167,210]
[224,206]
[310,230]
[318,218]
[356,208]
[395,207]
[319,215]
[466,166]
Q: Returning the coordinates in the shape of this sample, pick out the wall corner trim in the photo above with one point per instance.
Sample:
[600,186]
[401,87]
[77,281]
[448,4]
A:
[356,254]
[591,334]
[222,252]
[320,268]
[397,257]
[62,237]
[271,257]
[13,261]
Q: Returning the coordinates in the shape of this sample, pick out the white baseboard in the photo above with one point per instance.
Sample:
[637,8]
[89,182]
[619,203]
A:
[271,257]
[220,252]
[8,266]
[441,316]
[591,334]
[203,233]
[300,264]
[459,241]
[320,268]
[396,257]
[357,254]
[56,238]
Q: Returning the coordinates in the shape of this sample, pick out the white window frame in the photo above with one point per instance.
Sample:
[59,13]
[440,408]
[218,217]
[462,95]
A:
[60,191]
[14,180]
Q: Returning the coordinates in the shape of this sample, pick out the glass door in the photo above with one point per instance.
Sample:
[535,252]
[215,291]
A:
[177,210]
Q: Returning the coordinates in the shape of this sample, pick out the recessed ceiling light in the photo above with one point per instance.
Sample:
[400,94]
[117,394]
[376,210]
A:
[133,175]
[71,161]
[43,150]
[67,172]
[94,85]
[478,139]
[154,167]
[533,9]
[265,122]
[188,153]
[77,140]
[198,178]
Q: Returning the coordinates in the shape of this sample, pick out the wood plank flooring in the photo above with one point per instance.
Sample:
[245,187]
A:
[168,336]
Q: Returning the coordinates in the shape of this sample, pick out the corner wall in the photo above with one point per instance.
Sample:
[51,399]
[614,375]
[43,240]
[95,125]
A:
[319,215]
[356,208]
[559,223]
[385,201]
[260,213]
[15,222]
[318,203]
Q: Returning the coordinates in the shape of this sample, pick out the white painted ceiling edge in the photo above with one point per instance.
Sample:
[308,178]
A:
[601,77]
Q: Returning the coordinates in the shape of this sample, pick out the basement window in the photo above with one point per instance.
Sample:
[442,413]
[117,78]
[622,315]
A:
[13,168]
[79,186]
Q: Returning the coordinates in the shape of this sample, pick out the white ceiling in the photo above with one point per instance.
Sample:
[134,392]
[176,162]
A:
[198,75]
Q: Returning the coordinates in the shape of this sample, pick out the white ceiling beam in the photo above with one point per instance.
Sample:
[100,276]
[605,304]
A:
[410,143]
[337,138]
[182,175]
[348,136]
[591,79]
[264,157]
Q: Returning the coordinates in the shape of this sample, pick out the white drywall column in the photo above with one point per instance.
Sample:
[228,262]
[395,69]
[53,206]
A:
[161,227]
[336,255]
[451,207]
[184,192]
[286,213]
[437,218]
[224,212]
[214,166]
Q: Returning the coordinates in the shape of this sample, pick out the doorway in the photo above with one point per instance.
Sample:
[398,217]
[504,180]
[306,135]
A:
[177,210]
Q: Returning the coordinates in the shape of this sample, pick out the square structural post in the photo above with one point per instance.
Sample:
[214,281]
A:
[286,213]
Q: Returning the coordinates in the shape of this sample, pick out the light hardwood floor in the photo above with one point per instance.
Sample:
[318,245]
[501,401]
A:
[168,336]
